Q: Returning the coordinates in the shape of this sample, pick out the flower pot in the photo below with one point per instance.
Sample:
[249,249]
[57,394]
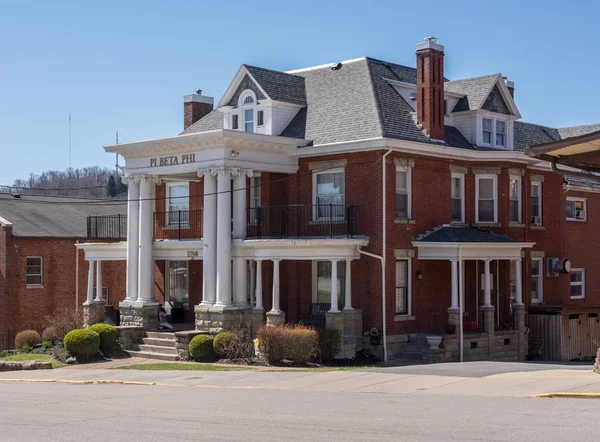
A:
[434,342]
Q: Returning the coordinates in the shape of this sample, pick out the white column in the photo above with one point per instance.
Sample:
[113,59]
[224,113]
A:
[258,291]
[251,285]
[224,238]
[487,296]
[276,307]
[133,236]
[90,283]
[146,263]
[348,288]
[98,281]
[518,282]
[209,226]
[334,287]
[454,282]
[240,282]
[239,202]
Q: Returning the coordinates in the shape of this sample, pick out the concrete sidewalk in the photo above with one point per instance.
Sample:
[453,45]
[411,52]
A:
[521,381]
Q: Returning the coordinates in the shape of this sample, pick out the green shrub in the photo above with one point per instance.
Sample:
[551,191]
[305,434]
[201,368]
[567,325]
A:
[201,348]
[26,348]
[108,337]
[47,344]
[29,337]
[234,345]
[82,343]
[50,334]
[297,343]
[330,342]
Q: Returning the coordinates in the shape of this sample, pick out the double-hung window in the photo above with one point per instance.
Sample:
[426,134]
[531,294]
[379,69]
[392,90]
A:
[500,133]
[328,194]
[255,196]
[536,203]
[402,287]
[403,203]
[515,199]
[536,280]
[235,122]
[458,197]
[576,209]
[487,124]
[493,132]
[577,283]
[487,198]
[33,271]
[178,203]
[260,118]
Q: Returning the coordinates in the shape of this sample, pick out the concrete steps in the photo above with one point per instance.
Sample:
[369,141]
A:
[156,345]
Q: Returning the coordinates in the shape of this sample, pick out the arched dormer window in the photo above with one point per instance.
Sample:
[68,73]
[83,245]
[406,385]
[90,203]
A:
[246,104]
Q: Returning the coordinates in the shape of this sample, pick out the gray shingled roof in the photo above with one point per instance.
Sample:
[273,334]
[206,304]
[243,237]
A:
[476,91]
[280,86]
[45,216]
[575,131]
[581,181]
[464,234]
[528,134]
[212,121]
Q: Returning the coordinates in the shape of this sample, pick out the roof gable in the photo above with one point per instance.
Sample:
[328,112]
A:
[477,92]
[495,103]
[244,85]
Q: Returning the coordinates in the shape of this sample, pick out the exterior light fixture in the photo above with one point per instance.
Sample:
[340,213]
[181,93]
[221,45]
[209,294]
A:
[419,274]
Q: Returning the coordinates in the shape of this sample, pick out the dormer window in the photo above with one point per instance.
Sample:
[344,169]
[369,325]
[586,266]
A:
[248,100]
[500,133]
[249,120]
[493,132]
[234,122]
[247,103]
[487,130]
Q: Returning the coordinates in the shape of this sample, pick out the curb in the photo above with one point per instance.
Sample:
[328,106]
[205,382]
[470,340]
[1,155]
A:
[89,382]
[567,395]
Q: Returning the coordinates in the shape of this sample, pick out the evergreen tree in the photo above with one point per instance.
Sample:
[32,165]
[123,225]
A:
[121,186]
[111,187]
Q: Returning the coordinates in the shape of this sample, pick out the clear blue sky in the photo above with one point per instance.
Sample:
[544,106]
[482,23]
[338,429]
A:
[125,65]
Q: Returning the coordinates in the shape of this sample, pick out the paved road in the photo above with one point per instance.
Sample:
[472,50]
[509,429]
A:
[48,411]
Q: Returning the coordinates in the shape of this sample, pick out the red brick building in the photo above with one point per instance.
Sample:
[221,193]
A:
[282,203]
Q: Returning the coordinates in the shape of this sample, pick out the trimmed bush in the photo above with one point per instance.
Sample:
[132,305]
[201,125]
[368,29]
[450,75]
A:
[330,342]
[82,343]
[222,342]
[27,337]
[108,337]
[50,334]
[296,343]
[201,348]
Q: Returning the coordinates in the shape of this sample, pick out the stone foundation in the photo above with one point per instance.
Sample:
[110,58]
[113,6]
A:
[93,312]
[145,315]
[182,343]
[130,336]
[213,321]
[396,344]
[275,318]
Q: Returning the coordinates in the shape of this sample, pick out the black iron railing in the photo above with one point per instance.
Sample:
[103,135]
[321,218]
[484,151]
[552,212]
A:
[295,221]
[107,227]
[180,224]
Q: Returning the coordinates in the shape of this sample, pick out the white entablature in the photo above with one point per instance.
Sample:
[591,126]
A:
[221,148]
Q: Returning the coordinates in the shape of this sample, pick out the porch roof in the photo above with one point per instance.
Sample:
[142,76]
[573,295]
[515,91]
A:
[453,242]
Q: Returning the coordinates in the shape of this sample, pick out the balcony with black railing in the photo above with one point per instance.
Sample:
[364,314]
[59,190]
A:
[178,225]
[302,221]
[107,228]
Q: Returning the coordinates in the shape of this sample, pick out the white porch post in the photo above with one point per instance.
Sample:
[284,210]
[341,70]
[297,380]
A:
[224,238]
[334,287]
[240,282]
[348,287]
[209,226]
[276,308]
[258,291]
[487,297]
[454,279]
[239,202]
[90,283]
[133,238]
[98,281]
[146,263]
[518,282]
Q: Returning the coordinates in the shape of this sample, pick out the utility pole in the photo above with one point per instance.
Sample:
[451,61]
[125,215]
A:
[69,141]
[117,158]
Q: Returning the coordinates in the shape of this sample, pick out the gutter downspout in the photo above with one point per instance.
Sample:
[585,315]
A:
[460,303]
[76,277]
[382,258]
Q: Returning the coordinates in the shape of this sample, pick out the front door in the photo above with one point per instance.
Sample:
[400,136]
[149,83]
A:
[177,294]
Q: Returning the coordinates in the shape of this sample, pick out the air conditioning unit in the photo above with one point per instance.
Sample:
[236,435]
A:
[536,220]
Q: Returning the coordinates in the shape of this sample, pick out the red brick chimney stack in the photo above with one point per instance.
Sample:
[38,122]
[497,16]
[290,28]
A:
[195,106]
[430,87]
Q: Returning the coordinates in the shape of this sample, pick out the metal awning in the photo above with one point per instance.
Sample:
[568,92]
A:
[582,152]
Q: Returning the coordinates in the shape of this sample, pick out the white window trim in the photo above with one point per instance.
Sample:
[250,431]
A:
[314,191]
[520,199]
[34,286]
[540,287]
[582,284]
[256,116]
[584,200]
[408,171]
[493,143]
[460,176]
[495,179]
[167,198]
[244,107]
[408,288]
[540,196]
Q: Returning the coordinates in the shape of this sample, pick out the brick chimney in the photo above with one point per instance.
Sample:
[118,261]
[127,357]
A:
[195,106]
[430,87]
